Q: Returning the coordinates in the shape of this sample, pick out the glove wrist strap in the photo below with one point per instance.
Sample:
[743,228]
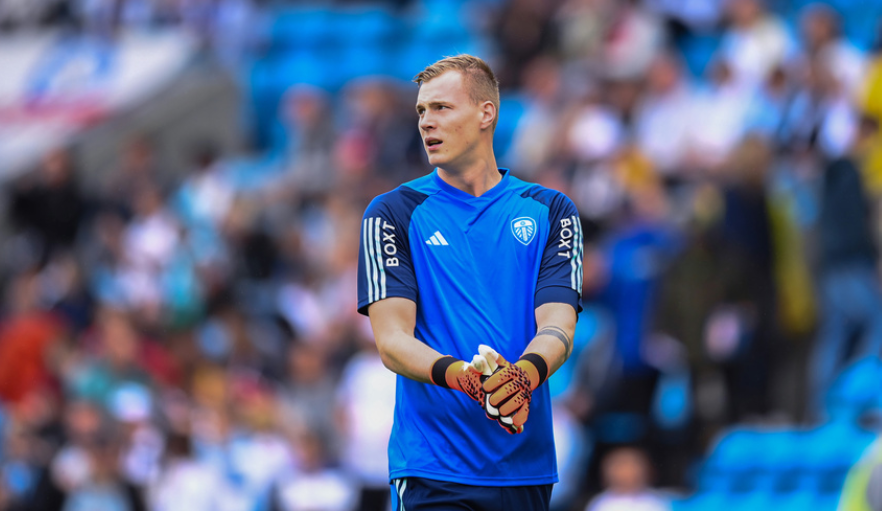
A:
[539,363]
[439,371]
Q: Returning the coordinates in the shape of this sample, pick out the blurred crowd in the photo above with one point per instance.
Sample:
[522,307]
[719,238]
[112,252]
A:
[188,340]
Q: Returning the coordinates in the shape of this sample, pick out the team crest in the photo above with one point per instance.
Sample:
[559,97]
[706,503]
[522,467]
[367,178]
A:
[524,229]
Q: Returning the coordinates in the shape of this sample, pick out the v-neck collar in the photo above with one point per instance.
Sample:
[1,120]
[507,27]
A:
[492,193]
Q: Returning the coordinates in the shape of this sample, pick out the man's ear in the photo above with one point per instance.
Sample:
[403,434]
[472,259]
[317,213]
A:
[488,114]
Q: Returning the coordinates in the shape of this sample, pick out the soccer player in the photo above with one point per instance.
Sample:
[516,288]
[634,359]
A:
[464,256]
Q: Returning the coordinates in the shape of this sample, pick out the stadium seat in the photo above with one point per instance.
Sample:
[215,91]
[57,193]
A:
[804,501]
[745,460]
[362,60]
[709,501]
[303,27]
[372,26]
[731,462]
[855,390]
[827,454]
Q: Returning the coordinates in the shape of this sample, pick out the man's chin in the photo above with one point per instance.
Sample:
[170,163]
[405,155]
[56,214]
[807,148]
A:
[437,160]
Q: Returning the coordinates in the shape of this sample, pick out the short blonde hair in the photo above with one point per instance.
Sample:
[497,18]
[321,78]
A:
[479,80]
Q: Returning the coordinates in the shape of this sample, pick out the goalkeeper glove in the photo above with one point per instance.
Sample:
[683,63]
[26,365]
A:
[452,373]
[509,388]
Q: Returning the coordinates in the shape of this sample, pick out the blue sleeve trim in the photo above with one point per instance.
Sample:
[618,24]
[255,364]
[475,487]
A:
[559,294]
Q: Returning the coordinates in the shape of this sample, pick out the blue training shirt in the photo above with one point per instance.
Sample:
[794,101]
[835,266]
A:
[476,267]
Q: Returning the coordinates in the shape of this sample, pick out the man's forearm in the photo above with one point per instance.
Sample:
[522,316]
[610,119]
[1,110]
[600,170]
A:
[554,335]
[408,356]
[392,321]
[553,344]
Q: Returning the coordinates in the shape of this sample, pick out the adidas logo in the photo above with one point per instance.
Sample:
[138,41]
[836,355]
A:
[437,239]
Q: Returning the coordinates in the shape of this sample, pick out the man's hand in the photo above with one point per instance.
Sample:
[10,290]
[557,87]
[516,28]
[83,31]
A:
[456,374]
[509,389]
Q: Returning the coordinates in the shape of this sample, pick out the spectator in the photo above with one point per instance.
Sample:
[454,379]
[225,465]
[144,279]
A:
[185,483]
[821,31]
[523,30]
[583,25]
[365,401]
[48,207]
[749,302]
[664,117]
[536,140]
[85,469]
[205,197]
[138,168]
[634,38]
[307,394]
[870,103]
[755,42]
[768,108]
[28,336]
[308,141]
[116,356]
[821,113]
[626,473]
[149,244]
[103,487]
[848,284]
[723,111]
[316,486]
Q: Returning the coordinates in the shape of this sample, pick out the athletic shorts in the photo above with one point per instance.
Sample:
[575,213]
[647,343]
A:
[420,494]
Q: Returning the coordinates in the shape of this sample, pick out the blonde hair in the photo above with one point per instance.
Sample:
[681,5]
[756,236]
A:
[478,78]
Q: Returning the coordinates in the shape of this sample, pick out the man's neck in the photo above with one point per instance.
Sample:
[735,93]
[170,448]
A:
[474,180]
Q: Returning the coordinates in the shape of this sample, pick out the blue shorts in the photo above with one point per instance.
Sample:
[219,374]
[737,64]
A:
[420,494]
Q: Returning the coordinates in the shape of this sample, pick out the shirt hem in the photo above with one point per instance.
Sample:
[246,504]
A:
[472,480]
[558,294]
[363,305]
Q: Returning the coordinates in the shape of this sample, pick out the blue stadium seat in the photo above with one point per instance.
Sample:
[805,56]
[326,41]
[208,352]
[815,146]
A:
[732,462]
[828,453]
[804,501]
[302,27]
[412,57]
[373,26]
[745,460]
[855,390]
[362,60]
[707,501]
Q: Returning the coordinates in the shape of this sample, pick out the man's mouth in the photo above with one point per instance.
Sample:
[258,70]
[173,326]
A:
[432,143]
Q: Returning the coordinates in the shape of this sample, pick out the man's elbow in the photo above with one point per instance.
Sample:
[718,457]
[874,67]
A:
[385,355]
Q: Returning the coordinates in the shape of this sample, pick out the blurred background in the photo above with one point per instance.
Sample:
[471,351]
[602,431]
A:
[182,184]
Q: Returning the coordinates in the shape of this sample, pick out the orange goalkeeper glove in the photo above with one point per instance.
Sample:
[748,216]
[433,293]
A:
[509,388]
[453,373]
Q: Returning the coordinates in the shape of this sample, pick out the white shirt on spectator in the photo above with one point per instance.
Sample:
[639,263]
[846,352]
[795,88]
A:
[324,490]
[662,126]
[188,485]
[645,501]
[721,117]
[754,52]
[366,395]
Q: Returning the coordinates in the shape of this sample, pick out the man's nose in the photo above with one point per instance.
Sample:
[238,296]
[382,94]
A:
[427,122]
